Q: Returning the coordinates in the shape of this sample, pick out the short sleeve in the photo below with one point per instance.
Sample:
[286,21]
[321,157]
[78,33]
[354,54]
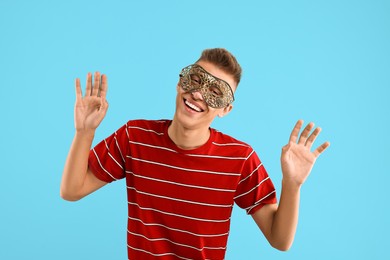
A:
[107,159]
[255,188]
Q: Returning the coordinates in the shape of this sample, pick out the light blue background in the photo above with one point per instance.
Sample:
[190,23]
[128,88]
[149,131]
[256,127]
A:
[322,61]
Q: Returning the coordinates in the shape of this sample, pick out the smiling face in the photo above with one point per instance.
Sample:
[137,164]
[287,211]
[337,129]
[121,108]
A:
[216,92]
[192,111]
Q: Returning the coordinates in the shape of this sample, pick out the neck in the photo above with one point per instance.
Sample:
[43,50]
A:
[186,138]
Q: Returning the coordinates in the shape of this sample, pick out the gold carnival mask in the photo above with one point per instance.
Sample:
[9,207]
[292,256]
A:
[216,92]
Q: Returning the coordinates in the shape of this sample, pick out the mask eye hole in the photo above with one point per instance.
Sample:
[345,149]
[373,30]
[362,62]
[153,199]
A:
[195,79]
[215,91]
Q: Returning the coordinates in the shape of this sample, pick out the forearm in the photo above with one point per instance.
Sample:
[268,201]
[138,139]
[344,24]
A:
[279,222]
[286,217]
[76,165]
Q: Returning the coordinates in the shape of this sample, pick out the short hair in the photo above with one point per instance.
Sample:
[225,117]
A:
[224,60]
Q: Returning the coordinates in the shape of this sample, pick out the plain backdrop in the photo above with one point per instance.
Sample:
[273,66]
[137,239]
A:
[321,61]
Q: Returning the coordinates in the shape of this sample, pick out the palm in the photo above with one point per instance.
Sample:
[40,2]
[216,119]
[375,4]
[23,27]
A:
[297,160]
[91,109]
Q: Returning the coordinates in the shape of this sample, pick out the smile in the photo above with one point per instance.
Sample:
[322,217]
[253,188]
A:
[192,106]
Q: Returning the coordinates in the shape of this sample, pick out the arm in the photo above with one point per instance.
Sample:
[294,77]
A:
[77,179]
[279,222]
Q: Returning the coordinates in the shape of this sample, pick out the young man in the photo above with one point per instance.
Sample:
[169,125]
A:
[182,176]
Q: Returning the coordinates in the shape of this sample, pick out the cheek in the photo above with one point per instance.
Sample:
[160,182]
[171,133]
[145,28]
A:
[212,111]
[179,89]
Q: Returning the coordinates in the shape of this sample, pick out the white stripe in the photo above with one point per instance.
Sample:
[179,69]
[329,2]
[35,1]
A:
[193,155]
[127,132]
[230,144]
[243,194]
[180,216]
[164,254]
[175,243]
[180,200]
[115,160]
[117,145]
[146,130]
[184,169]
[178,230]
[180,184]
[101,166]
[248,209]
[251,173]
[111,155]
[250,154]
[153,146]
[218,157]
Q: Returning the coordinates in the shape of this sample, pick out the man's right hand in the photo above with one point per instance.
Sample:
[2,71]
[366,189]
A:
[91,108]
[78,180]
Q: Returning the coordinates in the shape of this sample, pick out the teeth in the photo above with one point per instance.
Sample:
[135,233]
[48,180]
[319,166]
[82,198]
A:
[193,106]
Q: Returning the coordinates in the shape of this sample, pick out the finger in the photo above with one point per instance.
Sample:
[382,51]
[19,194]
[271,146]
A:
[96,85]
[103,106]
[78,89]
[305,133]
[295,131]
[104,86]
[312,137]
[321,149]
[88,87]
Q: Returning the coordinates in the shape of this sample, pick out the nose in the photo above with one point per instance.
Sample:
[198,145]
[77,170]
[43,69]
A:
[196,95]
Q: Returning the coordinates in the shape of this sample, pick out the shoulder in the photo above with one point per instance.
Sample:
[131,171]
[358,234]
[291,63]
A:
[231,144]
[227,140]
[148,124]
[142,128]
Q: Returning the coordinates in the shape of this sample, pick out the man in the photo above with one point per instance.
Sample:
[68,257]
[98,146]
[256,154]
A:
[182,176]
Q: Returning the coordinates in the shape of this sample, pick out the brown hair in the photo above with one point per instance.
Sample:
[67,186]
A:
[224,60]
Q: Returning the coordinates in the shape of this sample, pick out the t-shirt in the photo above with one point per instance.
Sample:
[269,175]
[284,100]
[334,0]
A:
[180,201]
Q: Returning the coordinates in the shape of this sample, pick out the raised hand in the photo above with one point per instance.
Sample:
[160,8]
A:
[90,110]
[297,159]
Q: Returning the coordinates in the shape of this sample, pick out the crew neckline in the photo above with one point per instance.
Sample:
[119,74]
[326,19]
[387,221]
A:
[198,150]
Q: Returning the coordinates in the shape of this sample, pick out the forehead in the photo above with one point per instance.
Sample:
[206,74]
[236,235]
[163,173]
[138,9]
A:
[215,71]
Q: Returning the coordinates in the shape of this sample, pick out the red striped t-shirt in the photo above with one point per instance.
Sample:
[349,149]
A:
[180,201]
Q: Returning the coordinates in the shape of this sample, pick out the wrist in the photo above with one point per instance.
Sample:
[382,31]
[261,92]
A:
[291,184]
[85,133]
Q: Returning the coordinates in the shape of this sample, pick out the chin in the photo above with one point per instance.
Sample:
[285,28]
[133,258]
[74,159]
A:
[190,119]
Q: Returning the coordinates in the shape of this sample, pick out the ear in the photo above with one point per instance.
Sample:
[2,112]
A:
[225,111]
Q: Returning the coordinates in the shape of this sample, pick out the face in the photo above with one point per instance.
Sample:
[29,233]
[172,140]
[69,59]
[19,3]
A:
[198,105]
[216,92]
